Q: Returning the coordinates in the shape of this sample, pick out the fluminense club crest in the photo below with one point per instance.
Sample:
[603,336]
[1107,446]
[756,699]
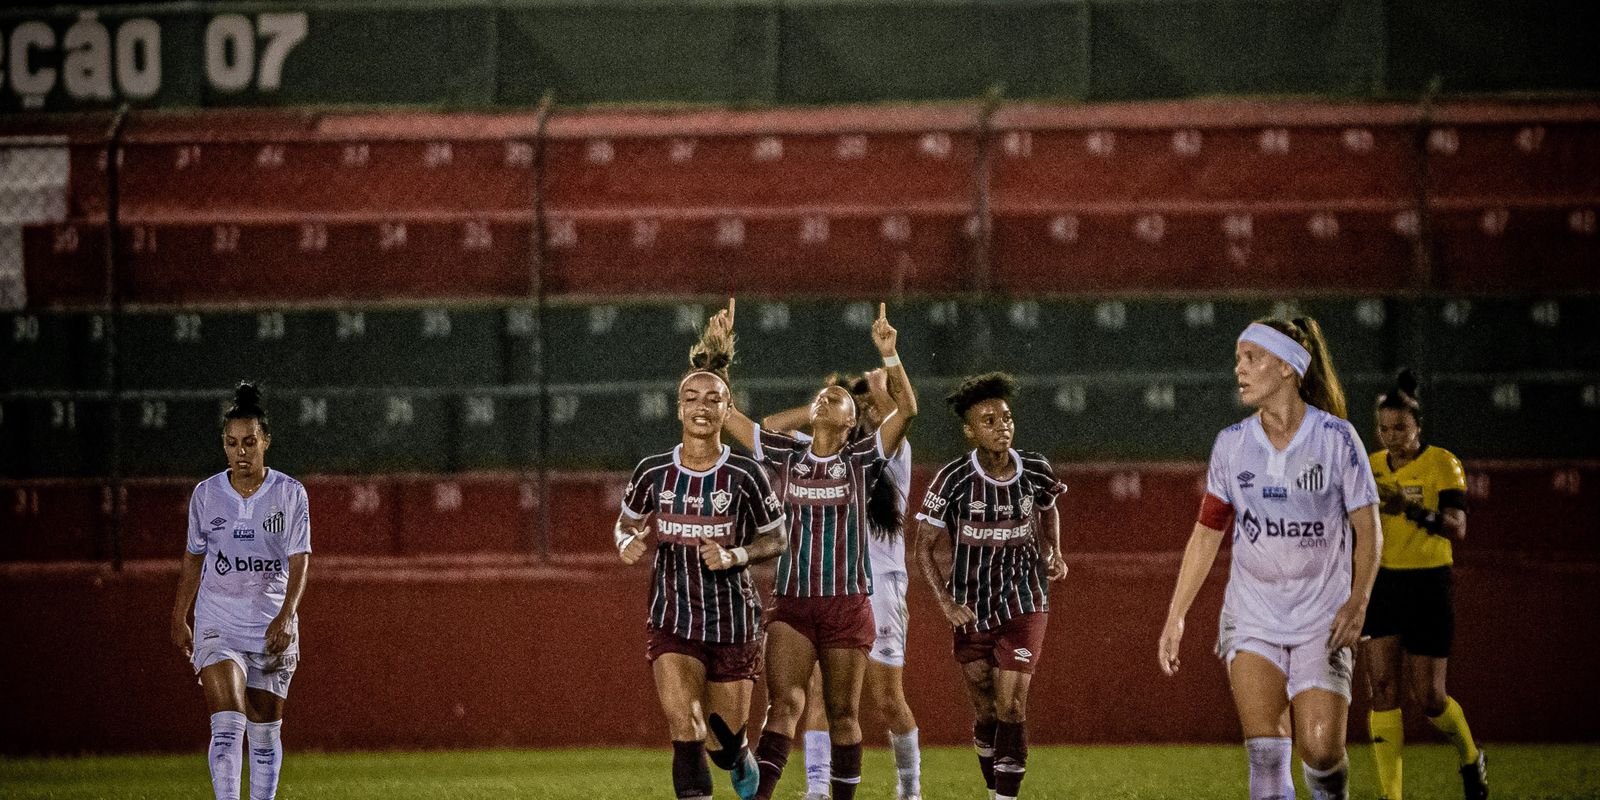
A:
[721,499]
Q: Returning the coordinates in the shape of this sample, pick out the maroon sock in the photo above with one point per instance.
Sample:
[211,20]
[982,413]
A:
[983,740]
[846,770]
[772,752]
[1010,758]
[691,776]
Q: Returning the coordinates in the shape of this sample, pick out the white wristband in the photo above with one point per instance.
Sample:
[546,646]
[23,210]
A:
[622,539]
[741,556]
[892,361]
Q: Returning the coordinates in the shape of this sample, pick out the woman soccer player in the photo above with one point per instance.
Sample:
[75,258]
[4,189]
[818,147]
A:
[884,685]
[1290,481]
[995,508]
[243,575]
[838,494]
[1423,496]
[711,513]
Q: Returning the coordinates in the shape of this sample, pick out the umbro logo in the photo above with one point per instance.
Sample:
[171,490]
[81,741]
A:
[667,496]
[1022,653]
[1245,479]
[219,521]
[977,506]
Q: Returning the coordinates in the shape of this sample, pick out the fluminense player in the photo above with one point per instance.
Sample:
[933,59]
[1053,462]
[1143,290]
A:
[243,575]
[884,684]
[838,493]
[995,510]
[711,513]
[1422,493]
[1290,482]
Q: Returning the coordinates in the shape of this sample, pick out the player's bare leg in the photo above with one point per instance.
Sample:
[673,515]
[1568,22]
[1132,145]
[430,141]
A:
[681,685]
[1260,697]
[728,704]
[1010,738]
[842,671]
[223,684]
[1381,655]
[263,732]
[1320,717]
[978,677]
[818,745]
[885,688]
[790,658]
[1425,677]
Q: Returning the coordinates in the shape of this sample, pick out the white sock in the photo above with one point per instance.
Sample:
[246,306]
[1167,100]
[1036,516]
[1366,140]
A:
[266,757]
[907,761]
[819,762]
[1331,784]
[1270,777]
[227,745]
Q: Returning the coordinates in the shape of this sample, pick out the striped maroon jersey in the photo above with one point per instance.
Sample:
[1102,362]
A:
[994,529]
[731,504]
[825,500]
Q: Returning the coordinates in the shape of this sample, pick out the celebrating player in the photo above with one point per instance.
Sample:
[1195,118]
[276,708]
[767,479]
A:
[1290,481]
[995,509]
[711,513]
[838,493]
[1423,503]
[884,684]
[243,575]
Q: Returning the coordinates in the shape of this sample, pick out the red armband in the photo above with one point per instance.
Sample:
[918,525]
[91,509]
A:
[1215,513]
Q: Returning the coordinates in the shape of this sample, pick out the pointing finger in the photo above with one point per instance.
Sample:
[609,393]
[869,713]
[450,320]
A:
[883,312]
[730,310]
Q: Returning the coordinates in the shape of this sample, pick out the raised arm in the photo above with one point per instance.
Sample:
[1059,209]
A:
[896,423]
[1346,628]
[718,336]
[1198,557]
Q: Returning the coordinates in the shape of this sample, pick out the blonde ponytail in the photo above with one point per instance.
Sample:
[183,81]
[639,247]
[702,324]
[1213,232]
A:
[1320,387]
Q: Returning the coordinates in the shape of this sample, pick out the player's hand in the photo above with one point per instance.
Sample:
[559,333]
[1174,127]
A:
[722,321]
[1347,622]
[183,637]
[1056,567]
[1167,650]
[958,615]
[883,334]
[633,548]
[1390,499]
[279,636]
[716,557]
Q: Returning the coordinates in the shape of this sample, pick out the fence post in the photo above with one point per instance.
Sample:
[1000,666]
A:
[113,302]
[538,285]
[981,208]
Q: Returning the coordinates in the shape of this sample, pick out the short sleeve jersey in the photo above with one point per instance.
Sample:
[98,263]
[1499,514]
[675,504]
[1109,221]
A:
[826,502]
[994,530]
[247,542]
[887,554]
[1435,480]
[730,503]
[1291,532]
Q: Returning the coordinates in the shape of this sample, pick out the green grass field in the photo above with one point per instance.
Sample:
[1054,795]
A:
[1054,773]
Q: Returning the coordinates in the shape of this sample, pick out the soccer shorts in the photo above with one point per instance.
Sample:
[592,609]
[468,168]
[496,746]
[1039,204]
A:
[269,672]
[1015,646]
[842,622]
[724,663]
[1417,605]
[1312,665]
[890,615]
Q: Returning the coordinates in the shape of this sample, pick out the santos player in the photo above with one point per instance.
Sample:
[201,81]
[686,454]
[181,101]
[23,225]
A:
[1289,482]
[711,513]
[249,547]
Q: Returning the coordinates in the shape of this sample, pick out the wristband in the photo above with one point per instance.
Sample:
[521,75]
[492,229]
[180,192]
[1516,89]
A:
[740,555]
[1430,521]
[622,539]
[892,361]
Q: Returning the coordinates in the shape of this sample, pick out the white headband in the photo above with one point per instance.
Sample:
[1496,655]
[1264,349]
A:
[1276,343]
[695,372]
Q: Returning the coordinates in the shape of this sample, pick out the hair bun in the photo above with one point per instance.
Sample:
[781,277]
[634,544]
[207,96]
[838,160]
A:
[247,395]
[1406,381]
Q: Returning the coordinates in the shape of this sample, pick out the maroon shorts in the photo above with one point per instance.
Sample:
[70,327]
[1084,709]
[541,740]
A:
[842,622]
[1013,646]
[738,661]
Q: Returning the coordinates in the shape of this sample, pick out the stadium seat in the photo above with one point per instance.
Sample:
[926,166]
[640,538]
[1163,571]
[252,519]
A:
[464,514]
[52,351]
[354,516]
[51,521]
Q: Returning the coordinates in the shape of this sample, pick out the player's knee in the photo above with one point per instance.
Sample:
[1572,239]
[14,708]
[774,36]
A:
[1010,709]
[1385,694]
[685,726]
[1321,755]
[1431,699]
[892,706]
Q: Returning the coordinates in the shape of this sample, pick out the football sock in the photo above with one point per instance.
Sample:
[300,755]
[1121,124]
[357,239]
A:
[772,752]
[983,742]
[1453,724]
[1388,740]
[691,775]
[227,745]
[266,758]
[1010,758]
[846,770]
[1270,777]
[1329,784]
[907,761]
[819,758]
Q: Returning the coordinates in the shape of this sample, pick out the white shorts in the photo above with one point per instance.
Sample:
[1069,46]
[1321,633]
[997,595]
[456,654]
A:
[890,618]
[1307,666]
[269,672]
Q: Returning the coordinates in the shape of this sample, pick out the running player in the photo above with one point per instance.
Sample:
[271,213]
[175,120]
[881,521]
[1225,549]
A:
[243,575]
[884,685]
[1423,500]
[995,509]
[711,513]
[1290,482]
[839,494]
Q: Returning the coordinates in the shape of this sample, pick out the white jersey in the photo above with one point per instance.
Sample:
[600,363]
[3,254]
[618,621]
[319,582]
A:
[888,555]
[247,543]
[1291,532]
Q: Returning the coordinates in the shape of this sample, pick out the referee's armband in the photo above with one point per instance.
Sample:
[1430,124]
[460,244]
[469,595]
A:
[1215,513]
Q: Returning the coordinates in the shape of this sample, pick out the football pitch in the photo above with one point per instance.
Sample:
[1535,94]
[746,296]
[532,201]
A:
[1516,772]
